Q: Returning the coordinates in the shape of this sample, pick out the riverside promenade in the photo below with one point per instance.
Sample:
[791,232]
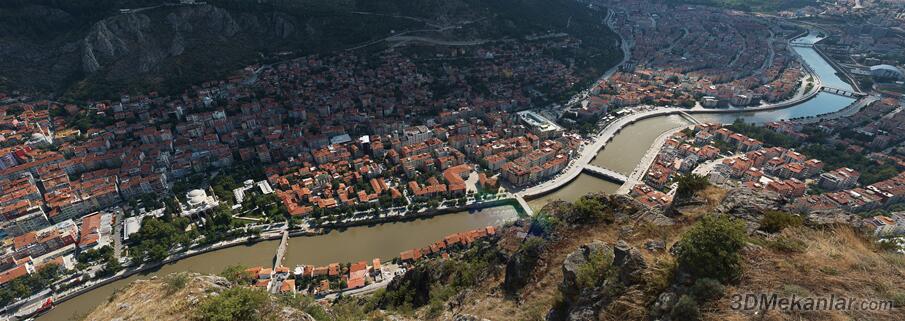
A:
[588,150]
[637,174]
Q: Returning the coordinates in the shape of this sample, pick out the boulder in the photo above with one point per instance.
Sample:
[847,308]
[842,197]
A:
[630,262]
[573,263]
[518,271]
[584,303]
[749,204]
[654,245]
[664,304]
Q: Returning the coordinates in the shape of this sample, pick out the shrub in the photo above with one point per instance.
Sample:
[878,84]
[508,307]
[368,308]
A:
[788,245]
[707,289]
[690,184]
[686,309]
[592,272]
[175,282]
[776,221]
[236,274]
[710,248]
[586,210]
[236,303]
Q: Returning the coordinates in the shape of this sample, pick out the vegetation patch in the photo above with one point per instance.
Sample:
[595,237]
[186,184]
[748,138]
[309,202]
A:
[710,249]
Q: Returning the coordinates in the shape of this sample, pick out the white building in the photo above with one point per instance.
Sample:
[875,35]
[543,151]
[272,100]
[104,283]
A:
[887,71]
[416,134]
[198,202]
[239,193]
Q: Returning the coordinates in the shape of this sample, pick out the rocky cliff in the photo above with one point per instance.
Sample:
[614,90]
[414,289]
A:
[91,49]
[183,296]
[627,269]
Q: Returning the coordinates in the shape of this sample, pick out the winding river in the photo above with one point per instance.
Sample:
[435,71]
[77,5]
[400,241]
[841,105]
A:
[383,241]
[387,240]
[624,152]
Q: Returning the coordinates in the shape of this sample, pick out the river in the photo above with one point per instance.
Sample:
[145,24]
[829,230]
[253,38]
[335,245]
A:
[622,154]
[383,241]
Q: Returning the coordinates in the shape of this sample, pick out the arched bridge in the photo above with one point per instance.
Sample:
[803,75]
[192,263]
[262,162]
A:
[606,173]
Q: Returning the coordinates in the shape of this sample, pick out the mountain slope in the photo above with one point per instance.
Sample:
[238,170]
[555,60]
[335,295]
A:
[91,50]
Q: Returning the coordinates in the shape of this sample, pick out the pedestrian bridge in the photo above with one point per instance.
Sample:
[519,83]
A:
[842,92]
[688,117]
[802,44]
[525,206]
[281,249]
[607,174]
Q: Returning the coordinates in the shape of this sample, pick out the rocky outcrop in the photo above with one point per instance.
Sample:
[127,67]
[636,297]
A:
[415,283]
[159,298]
[832,217]
[518,271]
[139,43]
[583,301]
[573,263]
[749,204]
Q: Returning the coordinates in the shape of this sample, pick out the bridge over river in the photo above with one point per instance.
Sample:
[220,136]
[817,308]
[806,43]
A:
[607,174]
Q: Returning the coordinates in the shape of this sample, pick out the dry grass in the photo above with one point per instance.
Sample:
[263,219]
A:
[835,261]
[536,299]
[540,294]
[823,262]
[151,300]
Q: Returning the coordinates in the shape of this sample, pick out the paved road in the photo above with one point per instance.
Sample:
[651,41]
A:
[707,167]
[118,233]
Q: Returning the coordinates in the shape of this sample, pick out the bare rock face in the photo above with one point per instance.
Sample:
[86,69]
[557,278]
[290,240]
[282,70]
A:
[630,262]
[574,262]
[749,204]
[581,302]
[832,217]
[139,43]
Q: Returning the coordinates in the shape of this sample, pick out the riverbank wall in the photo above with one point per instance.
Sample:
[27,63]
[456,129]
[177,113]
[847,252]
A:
[268,236]
[428,214]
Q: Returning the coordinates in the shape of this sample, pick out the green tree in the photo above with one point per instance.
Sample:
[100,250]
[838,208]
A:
[710,249]
[689,184]
[156,238]
[236,303]
[236,274]
[686,309]
[706,289]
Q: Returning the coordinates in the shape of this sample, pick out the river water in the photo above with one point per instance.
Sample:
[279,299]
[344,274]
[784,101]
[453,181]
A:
[383,241]
[624,152]
[387,240]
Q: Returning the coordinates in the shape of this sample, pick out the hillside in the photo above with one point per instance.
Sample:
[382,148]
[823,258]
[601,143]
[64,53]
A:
[609,258]
[752,5]
[88,49]
[546,278]
[189,296]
